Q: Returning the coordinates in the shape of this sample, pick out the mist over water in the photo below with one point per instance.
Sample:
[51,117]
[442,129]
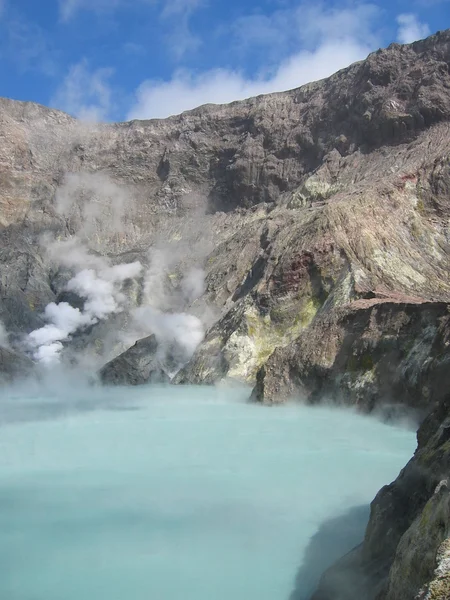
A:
[181,493]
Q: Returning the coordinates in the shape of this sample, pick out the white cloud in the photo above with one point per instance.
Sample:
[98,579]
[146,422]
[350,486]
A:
[308,24]
[186,89]
[85,94]
[68,8]
[172,14]
[26,44]
[411,29]
[311,42]
[178,7]
[181,41]
[133,49]
[177,13]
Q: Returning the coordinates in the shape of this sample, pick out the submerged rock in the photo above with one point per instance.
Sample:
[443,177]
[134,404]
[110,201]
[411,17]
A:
[138,365]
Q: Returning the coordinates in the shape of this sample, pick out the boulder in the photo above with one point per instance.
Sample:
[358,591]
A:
[138,365]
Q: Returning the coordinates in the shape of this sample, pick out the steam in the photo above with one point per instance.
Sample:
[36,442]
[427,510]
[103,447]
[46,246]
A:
[157,291]
[163,311]
[193,284]
[100,285]
[93,203]
[94,207]
[73,254]
[179,333]
[101,291]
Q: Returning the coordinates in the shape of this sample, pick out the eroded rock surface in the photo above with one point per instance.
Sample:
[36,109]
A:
[366,353]
[405,553]
[14,366]
[138,365]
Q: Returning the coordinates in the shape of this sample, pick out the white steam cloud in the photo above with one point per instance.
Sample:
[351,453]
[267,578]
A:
[163,310]
[180,329]
[101,291]
[73,254]
[63,320]
[410,29]
[94,208]
[193,284]
[156,293]
[93,202]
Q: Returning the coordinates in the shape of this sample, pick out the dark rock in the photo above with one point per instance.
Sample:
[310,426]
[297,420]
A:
[138,365]
[405,551]
[334,536]
[368,353]
[71,298]
[14,366]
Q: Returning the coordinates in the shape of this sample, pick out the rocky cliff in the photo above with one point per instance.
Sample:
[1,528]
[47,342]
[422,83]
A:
[306,232]
[405,554]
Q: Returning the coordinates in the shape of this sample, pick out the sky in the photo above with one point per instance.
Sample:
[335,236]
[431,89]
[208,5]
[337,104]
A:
[115,60]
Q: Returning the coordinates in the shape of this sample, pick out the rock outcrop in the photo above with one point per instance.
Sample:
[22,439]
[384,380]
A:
[138,365]
[405,553]
[14,366]
[366,353]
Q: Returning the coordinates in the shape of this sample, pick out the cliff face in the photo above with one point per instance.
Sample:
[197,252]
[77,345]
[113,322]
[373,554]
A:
[326,193]
[366,353]
[405,553]
[368,220]
[321,220]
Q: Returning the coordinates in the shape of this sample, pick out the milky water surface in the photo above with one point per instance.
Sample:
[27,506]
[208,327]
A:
[181,493]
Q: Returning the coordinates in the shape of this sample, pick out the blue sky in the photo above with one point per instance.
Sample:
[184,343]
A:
[122,59]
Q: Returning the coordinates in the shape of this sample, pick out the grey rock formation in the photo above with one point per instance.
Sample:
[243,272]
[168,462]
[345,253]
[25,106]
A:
[405,553]
[14,366]
[138,365]
[366,353]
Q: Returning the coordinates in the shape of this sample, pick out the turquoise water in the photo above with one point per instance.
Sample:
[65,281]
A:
[181,493]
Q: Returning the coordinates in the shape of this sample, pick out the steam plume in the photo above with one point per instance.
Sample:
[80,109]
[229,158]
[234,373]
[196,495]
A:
[101,290]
